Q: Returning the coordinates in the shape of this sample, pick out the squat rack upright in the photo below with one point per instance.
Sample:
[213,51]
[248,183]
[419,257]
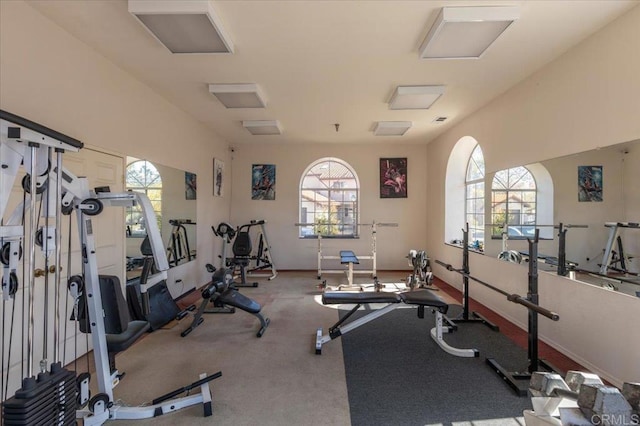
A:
[531,303]
[372,257]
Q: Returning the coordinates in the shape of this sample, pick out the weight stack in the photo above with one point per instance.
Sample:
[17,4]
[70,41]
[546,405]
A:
[49,399]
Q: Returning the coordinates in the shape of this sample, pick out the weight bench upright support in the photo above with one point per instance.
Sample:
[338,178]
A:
[347,257]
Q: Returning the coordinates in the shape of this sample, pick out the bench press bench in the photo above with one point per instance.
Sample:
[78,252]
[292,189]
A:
[420,298]
[347,257]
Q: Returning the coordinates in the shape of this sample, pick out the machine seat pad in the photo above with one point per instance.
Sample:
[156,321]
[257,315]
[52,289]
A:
[120,342]
[233,297]
[424,298]
[347,256]
[337,297]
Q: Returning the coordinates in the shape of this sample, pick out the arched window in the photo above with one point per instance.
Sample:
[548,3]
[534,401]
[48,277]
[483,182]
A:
[514,202]
[329,194]
[142,176]
[464,167]
[474,196]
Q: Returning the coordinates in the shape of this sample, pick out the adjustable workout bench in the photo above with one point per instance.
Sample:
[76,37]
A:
[420,298]
[221,290]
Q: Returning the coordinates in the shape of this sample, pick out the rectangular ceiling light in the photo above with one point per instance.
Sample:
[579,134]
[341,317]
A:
[262,127]
[415,97]
[238,95]
[391,128]
[466,32]
[183,26]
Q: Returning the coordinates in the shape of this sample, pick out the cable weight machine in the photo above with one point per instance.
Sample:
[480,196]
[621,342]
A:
[55,395]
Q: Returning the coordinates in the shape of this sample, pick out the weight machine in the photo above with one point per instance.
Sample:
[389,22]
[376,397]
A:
[245,258]
[56,395]
[373,257]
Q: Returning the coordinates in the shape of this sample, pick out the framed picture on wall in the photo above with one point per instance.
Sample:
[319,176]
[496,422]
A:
[590,183]
[393,177]
[218,178]
[263,182]
[190,186]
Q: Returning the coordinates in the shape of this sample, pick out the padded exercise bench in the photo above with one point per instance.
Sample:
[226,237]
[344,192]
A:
[347,257]
[420,298]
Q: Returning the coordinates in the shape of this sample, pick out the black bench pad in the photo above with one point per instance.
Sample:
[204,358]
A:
[424,298]
[336,297]
[347,256]
[120,342]
[233,297]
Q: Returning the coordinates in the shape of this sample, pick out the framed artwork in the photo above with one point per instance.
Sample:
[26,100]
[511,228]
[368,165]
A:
[589,183]
[263,182]
[218,178]
[393,177]
[190,186]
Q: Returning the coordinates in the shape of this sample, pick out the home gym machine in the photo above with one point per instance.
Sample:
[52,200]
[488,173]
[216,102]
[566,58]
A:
[245,261]
[373,257]
[178,249]
[221,292]
[57,395]
[531,303]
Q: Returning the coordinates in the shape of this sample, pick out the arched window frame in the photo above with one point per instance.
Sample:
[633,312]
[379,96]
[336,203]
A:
[474,196]
[143,176]
[329,201]
[514,200]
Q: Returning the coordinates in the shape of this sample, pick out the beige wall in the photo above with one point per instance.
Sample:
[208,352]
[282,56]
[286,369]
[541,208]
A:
[290,252]
[50,77]
[588,98]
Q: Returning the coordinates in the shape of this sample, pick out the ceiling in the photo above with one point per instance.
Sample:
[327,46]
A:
[323,62]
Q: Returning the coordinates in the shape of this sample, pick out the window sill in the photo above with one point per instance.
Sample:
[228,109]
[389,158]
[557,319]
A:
[330,237]
[471,249]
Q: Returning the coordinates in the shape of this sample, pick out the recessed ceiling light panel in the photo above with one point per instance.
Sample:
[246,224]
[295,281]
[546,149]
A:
[391,128]
[183,26]
[239,95]
[262,127]
[415,97]
[466,32]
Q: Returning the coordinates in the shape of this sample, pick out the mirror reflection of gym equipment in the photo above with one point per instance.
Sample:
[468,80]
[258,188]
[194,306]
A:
[56,394]
[165,186]
[178,248]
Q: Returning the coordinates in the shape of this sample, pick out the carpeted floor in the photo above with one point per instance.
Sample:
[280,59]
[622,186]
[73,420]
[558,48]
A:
[392,373]
[274,380]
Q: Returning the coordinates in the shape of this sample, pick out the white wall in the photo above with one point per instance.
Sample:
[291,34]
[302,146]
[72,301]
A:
[587,98]
[50,77]
[290,252]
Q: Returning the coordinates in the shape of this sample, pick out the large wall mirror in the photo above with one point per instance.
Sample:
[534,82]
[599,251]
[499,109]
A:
[594,188]
[173,195]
